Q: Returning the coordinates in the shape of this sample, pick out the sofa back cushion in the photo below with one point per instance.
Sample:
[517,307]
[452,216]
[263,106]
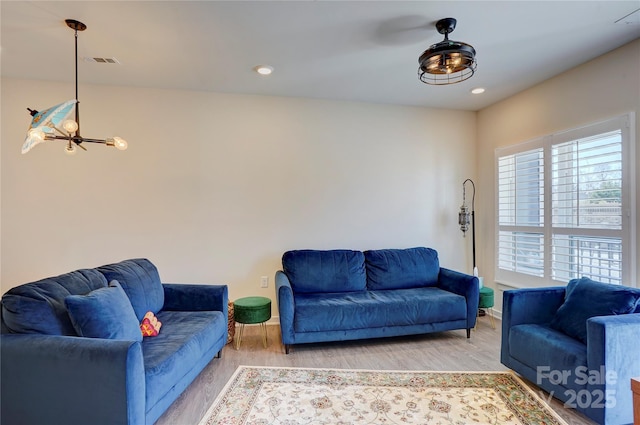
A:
[141,282]
[401,268]
[104,313]
[586,298]
[312,271]
[39,307]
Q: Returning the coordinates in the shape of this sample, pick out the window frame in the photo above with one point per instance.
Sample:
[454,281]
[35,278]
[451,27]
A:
[626,124]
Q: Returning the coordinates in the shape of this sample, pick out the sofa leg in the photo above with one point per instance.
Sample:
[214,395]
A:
[468,333]
[219,355]
[287,348]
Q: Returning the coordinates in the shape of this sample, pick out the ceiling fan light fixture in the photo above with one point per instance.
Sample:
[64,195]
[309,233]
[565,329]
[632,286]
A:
[447,62]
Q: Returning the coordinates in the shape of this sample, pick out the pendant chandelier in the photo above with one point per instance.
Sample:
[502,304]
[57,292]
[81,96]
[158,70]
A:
[449,61]
[54,123]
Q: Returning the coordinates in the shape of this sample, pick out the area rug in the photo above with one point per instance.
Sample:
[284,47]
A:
[292,396]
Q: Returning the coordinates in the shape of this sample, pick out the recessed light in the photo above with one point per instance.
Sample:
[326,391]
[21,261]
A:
[263,69]
[477,90]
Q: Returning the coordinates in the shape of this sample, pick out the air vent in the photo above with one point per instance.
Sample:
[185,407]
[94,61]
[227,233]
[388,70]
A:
[102,60]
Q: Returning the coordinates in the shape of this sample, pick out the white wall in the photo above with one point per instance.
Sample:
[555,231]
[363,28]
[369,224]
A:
[603,88]
[215,187]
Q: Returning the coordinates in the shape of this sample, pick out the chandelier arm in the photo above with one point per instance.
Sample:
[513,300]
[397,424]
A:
[75,139]
[56,137]
[59,131]
[79,139]
[76,143]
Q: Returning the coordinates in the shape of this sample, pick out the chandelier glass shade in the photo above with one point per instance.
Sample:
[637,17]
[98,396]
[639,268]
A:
[448,61]
[55,123]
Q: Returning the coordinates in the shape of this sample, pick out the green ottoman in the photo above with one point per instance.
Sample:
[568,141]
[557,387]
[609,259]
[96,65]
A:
[486,301]
[252,310]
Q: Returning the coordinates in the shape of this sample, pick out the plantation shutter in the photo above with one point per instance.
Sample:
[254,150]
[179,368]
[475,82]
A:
[586,189]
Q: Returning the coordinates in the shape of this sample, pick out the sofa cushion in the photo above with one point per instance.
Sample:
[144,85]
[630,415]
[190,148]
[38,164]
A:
[104,313]
[541,346]
[140,280]
[372,309]
[38,307]
[311,271]
[401,268]
[586,298]
[186,337]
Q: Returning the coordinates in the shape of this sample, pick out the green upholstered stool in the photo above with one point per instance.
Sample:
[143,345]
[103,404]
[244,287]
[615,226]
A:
[486,301]
[252,310]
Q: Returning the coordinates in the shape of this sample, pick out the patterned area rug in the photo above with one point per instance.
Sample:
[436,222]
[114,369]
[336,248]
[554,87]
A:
[292,396]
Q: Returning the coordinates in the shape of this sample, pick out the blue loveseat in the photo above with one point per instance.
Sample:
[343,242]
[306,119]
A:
[340,295]
[579,343]
[111,374]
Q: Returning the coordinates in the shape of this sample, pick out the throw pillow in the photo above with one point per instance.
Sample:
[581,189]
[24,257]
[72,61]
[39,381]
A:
[150,325]
[586,298]
[104,313]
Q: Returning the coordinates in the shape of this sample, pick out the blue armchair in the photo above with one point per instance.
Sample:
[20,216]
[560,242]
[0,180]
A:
[579,343]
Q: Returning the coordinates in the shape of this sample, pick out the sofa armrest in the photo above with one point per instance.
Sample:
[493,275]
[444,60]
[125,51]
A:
[465,285]
[192,297]
[286,307]
[71,380]
[612,342]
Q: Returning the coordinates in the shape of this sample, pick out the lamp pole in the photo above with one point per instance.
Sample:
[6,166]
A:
[473,218]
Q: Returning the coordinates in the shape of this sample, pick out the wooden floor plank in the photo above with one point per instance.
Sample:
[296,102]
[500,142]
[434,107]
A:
[444,351]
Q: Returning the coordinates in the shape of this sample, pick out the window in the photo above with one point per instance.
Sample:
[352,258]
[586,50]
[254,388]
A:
[521,212]
[564,207]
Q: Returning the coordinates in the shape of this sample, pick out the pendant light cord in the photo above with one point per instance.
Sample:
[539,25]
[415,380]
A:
[77,102]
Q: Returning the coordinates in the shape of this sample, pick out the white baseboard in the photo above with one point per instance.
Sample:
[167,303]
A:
[275,320]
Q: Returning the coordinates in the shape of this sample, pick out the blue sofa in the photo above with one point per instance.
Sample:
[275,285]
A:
[73,353]
[579,343]
[340,295]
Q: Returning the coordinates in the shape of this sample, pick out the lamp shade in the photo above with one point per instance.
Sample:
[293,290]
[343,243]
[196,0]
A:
[464,218]
[46,121]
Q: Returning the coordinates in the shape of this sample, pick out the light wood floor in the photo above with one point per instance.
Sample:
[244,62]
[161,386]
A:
[445,351]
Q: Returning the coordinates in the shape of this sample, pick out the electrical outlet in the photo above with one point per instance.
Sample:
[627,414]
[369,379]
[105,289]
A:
[264,281]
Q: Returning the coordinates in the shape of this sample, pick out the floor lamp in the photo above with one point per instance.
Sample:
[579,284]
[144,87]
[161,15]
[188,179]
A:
[464,217]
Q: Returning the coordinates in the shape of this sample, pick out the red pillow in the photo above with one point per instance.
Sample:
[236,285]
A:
[150,325]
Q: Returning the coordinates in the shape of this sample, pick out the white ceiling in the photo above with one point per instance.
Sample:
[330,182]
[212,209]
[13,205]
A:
[342,50]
